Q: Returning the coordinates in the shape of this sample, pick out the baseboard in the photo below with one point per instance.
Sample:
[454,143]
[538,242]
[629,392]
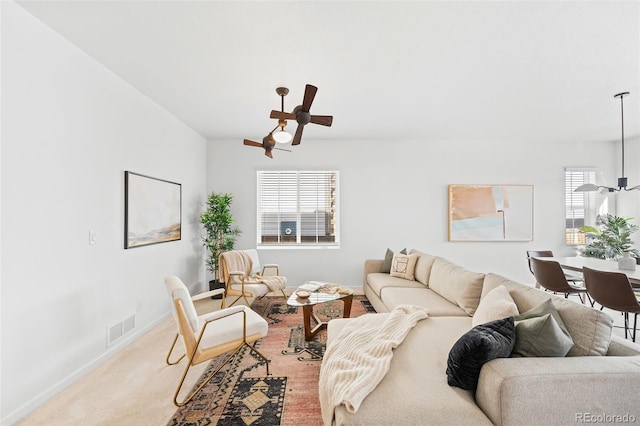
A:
[40,399]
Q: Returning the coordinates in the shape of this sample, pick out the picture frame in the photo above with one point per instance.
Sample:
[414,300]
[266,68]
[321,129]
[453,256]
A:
[152,210]
[490,212]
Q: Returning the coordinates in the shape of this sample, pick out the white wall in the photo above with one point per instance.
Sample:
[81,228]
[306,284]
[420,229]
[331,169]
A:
[70,128]
[395,195]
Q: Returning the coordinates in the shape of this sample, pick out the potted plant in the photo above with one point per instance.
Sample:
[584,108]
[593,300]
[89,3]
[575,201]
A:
[611,239]
[220,234]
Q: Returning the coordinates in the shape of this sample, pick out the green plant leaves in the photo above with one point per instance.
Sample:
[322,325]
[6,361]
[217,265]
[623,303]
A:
[218,222]
[611,239]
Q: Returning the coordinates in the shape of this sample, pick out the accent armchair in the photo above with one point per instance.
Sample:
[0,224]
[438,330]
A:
[244,277]
[210,335]
[175,317]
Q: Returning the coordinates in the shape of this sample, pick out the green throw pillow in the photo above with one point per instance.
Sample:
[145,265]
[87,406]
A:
[388,258]
[541,332]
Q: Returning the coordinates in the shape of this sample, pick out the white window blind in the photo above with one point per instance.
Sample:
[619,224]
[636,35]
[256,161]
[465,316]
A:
[579,206]
[297,208]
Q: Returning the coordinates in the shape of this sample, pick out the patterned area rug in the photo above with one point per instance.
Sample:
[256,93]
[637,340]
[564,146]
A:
[242,394]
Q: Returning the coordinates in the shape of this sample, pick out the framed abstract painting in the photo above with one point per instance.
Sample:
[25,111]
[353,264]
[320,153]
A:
[490,212]
[152,210]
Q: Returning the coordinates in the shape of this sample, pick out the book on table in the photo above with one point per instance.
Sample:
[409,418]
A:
[315,285]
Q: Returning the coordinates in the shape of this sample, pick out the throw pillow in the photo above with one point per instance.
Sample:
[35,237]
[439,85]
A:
[496,304]
[479,345]
[541,332]
[388,257]
[403,265]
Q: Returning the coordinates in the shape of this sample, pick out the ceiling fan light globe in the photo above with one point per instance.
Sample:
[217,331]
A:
[282,136]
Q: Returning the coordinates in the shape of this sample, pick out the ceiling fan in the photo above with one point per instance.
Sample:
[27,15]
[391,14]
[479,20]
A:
[268,143]
[302,114]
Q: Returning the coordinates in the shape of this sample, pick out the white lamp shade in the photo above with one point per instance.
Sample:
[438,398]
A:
[282,137]
[587,187]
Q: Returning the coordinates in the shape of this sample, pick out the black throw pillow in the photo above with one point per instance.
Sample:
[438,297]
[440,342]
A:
[481,344]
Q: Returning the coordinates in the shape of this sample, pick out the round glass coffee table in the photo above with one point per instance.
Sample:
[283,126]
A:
[316,298]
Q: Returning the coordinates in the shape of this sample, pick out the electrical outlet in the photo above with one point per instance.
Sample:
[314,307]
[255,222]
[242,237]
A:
[139,306]
[93,237]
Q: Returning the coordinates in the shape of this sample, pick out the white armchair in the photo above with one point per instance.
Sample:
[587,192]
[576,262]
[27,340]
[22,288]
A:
[212,334]
[199,296]
[245,277]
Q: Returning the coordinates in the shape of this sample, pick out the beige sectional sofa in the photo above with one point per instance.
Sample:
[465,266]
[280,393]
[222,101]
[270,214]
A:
[597,382]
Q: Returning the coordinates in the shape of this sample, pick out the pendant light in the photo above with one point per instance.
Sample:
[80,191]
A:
[622,181]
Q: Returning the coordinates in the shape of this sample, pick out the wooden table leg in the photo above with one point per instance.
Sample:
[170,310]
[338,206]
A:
[307,313]
[346,313]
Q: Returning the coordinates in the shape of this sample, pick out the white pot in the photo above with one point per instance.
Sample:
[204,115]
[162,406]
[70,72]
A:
[626,262]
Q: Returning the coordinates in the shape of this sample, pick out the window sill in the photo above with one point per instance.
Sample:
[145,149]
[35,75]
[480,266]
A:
[297,246]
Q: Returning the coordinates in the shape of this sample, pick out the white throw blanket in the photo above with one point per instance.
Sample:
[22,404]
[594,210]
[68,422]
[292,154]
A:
[359,357]
[240,261]
[274,282]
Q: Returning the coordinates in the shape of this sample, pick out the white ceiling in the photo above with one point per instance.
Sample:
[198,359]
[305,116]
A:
[540,71]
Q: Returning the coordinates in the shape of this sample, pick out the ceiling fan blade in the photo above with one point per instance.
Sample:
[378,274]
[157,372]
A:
[252,143]
[282,115]
[282,149]
[267,152]
[323,120]
[309,94]
[298,136]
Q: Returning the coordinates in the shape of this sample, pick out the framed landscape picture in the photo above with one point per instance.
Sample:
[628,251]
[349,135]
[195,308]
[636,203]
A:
[152,210]
[490,212]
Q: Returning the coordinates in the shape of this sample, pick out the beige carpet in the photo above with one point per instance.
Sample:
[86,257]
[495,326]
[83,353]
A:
[135,387]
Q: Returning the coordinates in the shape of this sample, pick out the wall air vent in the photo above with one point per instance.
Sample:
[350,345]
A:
[120,329]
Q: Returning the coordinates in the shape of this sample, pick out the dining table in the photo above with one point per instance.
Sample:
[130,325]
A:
[576,263]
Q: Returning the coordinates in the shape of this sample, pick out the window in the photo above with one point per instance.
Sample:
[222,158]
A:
[579,206]
[298,208]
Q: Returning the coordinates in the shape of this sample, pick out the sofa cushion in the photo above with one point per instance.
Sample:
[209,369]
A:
[456,284]
[378,280]
[423,267]
[555,391]
[403,265]
[438,305]
[589,328]
[415,391]
[481,344]
[497,304]
[541,332]
[388,257]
